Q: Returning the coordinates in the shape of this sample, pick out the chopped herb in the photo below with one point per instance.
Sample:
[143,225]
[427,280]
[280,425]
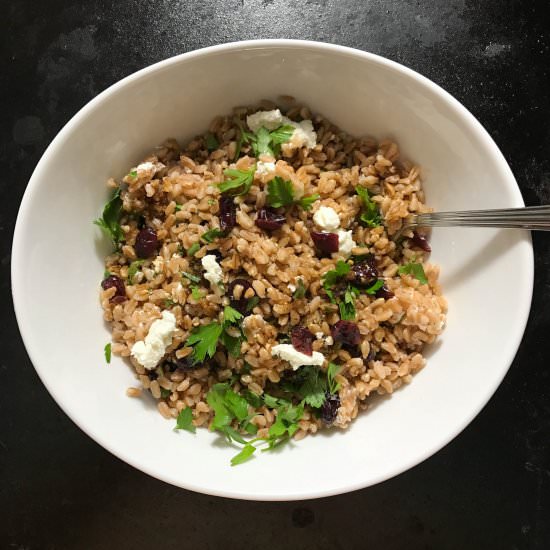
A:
[254,399]
[133,269]
[204,340]
[211,142]
[370,215]
[332,371]
[312,391]
[264,142]
[231,343]
[279,192]
[330,278]
[185,420]
[307,202]
[244,137]
[300,291]
[211,234]
[280,135]
[191,277]
[164,393]
[133,174]
[106,274]
[347,307]
[178,206]
[193,249]
[252,303]
[107,352]
[244,455]
[286,424]
[238,182]
[414,269]
[231,315]
[261,145]
[196,293]
[376,286]
[169,303]
[109,221]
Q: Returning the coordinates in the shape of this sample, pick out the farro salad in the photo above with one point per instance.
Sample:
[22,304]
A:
[256,287]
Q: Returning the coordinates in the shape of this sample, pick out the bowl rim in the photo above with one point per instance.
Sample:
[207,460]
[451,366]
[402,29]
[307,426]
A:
[18,254]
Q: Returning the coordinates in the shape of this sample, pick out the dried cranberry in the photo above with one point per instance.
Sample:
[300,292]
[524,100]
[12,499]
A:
[384,292]
[228,213]
[346,332]
[329,409]
[302,340]
[325,242]
[364,273]
[116,282]
[420,241]
[239,303]
[147,243]
[269,220]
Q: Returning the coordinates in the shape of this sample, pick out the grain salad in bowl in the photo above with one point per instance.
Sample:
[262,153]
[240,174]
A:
[256,287]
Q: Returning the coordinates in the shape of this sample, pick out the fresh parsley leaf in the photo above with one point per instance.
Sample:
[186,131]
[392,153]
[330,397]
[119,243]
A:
[211,142]
[215,400]
[193,249]
[244,137]
[262,144]
[185,420]
[106,274]
[231,343]
[133,269]
[107,352]
[238,182]
[312,391]
[231,315]
[169,303]
[211,234]
[414,269]
[164,393]
[279,136]
[332,371]
[196,293]
[286,424]
[307,202]
[300,291]
[204,340]
[270,401]
[254,399]
[347,307]
[279,192]
[330,278]
[109,221]
[233,435]
[252,303]
[178,206]
[133,174]
[376,286]
[191,277]
[237,404]
[370,215]
[247,451]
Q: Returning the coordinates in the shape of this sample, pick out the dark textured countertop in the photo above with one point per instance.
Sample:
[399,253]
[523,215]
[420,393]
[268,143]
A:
[488,489]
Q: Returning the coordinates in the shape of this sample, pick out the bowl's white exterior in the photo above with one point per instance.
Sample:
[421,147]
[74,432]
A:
[57,263]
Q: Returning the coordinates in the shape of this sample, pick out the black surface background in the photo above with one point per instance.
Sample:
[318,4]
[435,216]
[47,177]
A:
[488,489]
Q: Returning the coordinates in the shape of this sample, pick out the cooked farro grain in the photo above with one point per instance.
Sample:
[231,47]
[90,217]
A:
[219,260]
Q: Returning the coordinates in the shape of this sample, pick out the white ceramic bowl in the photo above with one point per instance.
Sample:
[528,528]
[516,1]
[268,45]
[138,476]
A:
[57,263]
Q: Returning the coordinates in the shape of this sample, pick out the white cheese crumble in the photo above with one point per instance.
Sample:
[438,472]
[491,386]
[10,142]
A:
[319,335]
[145,167]
[289,353]
[327,218]
[329,341]
[345,242]
[150,351]
[264,169]
[291,287]
[212,270]
[158,262]
[304,135]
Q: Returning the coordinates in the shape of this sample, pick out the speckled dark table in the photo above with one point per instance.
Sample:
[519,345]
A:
[489,489]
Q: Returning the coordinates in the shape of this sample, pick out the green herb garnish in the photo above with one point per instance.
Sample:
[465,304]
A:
[204,340]
[231,315]
[106,274]
[252,303]
[193,249]
[244,137]
[347,307]
[370,215]
[133,268]
[307,202]
[133,174]
[300,291]
[279,192]
[164,393]
[196,293]
[191,277]
[211,234]
[107,352]
[185,420]
[178,207]
[244,455]
[238,182]
[376,286]
[330,278]
[211,142]
[332,371]
[414,269]
[109,222]
[169,303]
[264,142]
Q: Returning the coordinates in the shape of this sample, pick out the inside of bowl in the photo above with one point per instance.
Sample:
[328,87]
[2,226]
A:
[58,264]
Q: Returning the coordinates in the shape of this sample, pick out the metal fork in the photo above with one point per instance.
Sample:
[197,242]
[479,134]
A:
[535,218]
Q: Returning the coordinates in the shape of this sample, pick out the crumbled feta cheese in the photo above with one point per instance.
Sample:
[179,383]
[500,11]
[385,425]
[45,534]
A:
[329,341]
[212,270]
[327,218]
[319,335]
[268,119]
[150,351]
[145,167]
[304,135]
[291,287]
[264,168]
[289,353]
[158,262]
[345,242]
